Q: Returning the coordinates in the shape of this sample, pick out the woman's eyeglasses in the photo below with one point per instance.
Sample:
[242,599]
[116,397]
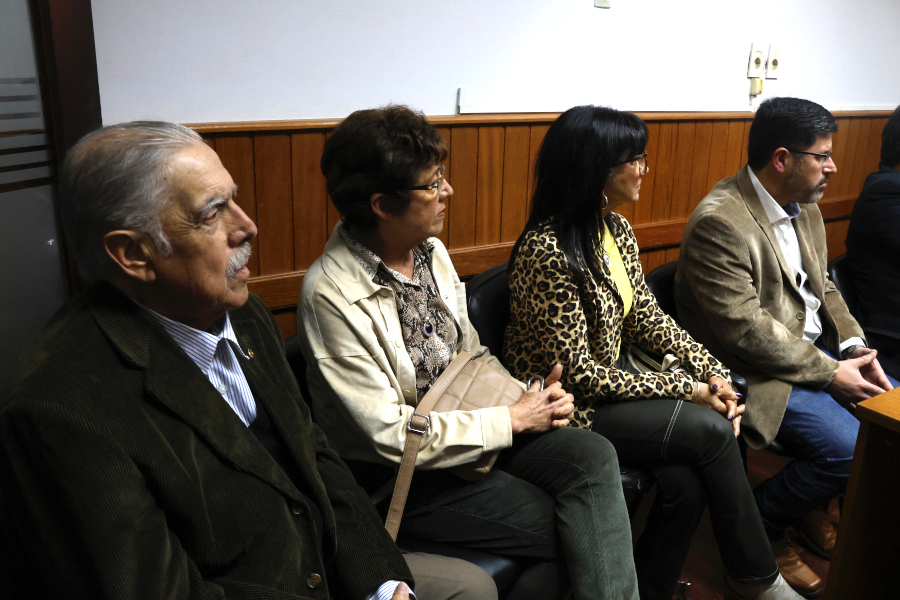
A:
[437,185]
[641,161]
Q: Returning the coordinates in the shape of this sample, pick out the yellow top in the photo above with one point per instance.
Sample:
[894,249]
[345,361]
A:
[619,274]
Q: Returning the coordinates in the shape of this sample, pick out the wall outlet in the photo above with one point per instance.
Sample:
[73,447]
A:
[773,65]
[757,65]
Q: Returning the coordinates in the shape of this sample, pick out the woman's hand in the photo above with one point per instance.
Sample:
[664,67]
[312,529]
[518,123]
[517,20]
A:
[540,410]
[718,395]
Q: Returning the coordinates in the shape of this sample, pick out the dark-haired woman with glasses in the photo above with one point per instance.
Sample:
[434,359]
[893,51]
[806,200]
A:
[382,313]
[578,297]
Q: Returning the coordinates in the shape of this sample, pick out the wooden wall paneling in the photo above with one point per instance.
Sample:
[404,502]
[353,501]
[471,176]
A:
[860,168]
[514,206]
[643,210]
[873,150]
[332,216]
[836,237]
[717,151]
[286,319]
[211,142]
[838,151]
[491,167]
[274,203]
[236,154]
[464,166]
[700,165]
[489,185]
[685,152]
[744,152]
[846,179]
[673,253]
[652,259]
[735,146]
[627,210]
[643,258]
[874,156]
[444,235]
[667,153]
[537,137]
[310,201]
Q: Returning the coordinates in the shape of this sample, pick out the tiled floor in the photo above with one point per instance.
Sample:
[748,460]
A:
[704,568]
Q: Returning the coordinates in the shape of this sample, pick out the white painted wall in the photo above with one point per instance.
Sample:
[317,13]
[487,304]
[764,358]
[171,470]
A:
[242,60]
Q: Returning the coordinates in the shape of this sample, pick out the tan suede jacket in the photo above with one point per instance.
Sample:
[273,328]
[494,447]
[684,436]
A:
[737,295]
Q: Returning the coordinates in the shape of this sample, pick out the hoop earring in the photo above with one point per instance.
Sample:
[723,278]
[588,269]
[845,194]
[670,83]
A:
[605,202]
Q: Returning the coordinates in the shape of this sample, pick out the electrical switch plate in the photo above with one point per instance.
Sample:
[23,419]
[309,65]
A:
[603,3]
[773,65]
[757,64]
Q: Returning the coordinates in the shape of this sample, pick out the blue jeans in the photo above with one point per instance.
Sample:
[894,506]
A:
[821,436]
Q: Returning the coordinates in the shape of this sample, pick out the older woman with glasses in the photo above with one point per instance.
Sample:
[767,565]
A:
[382,313]
[578,298]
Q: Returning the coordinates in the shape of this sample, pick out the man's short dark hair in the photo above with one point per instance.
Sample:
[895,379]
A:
[380,150]
[786,123]
[890,141]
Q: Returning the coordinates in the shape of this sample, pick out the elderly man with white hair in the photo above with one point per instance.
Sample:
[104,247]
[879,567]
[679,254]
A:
[153,440]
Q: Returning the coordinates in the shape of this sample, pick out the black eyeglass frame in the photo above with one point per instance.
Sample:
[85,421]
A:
[643,157]
[435,185]
[823,155]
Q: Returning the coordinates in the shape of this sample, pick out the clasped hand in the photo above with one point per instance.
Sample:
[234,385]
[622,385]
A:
[718,395]
[540,410]
[859,377]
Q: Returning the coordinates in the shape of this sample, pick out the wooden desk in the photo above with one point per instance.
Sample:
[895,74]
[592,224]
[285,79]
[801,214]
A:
[866,562]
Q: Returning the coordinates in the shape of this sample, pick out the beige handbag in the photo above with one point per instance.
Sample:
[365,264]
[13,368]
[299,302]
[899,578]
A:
[465,384]
[638,361]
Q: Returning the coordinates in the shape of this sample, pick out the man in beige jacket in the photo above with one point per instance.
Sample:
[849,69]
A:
[752,286]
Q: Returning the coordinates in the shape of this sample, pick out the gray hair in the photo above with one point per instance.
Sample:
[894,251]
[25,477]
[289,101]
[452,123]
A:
[116,178]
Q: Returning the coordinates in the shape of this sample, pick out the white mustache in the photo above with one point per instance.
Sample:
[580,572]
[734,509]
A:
[238,260]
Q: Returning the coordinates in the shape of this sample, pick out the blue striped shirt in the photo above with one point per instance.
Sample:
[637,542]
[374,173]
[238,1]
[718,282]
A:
[213,353]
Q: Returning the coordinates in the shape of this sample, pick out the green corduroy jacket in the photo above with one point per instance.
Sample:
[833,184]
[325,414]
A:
[125,475]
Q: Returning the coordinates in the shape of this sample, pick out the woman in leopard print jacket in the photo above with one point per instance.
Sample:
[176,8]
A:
[578,297]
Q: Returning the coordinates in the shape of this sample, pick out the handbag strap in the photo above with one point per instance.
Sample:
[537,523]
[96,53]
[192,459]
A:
[418,424]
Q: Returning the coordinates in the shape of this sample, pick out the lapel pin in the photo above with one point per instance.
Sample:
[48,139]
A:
[249,352]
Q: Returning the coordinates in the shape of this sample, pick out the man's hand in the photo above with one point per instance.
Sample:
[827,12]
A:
[539,410]
[718,395]
[401,592]
[873,373]
[851,384]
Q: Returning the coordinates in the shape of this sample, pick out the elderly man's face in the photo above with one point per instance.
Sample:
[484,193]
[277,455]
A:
[206,273]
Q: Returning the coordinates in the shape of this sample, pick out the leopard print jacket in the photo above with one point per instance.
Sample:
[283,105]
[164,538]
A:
[554,319]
